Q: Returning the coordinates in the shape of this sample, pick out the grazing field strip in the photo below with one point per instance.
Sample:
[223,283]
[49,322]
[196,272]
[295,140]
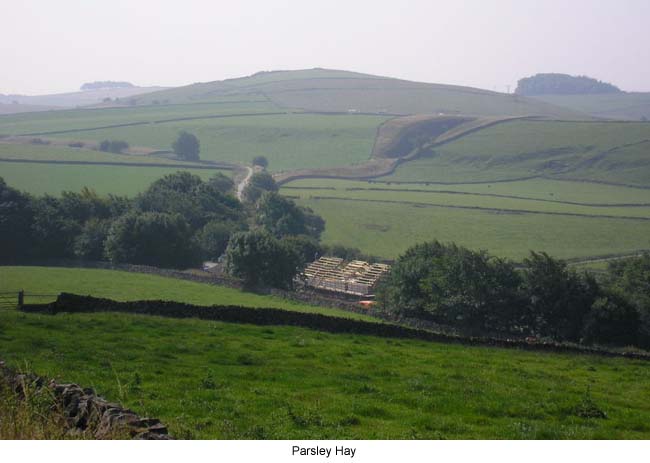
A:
[161,121]
[491,195]
[124,164]
[480,208]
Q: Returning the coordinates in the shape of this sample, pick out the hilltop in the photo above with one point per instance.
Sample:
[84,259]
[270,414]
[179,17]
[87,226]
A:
[325,90]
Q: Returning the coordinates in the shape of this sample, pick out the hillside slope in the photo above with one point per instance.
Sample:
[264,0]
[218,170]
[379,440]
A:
[343,91]
[631,106]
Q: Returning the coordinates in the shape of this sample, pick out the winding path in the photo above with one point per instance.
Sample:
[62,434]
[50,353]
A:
[243,183]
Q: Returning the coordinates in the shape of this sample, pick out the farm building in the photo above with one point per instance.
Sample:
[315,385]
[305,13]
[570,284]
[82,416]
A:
[357,278]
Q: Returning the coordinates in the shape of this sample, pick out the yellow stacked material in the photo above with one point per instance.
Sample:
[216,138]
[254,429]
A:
[333,274]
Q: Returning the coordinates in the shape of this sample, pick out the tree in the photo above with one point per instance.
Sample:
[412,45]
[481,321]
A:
[53,231]
[456,286]
[307,248]
[89,244]
[16,217]
[558,298]
[113,146]
[631,278]
[222,183]
[280,216]
[611,320]
[186,194]
[151,238]
[187,146]
[260,259]
[213,238]
[258,184]
[261,161]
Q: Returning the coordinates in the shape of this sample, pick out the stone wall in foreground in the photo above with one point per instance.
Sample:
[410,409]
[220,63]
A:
[85,412]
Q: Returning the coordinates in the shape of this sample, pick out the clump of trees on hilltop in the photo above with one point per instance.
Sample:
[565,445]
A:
[479,293]
[562,84]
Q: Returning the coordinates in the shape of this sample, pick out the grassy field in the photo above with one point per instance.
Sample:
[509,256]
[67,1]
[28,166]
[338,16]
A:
[534,189]
[288,141]
[128,286]
[216,380]
[75,119]
[388,229]
[633,105]
[612,152]
[120,180]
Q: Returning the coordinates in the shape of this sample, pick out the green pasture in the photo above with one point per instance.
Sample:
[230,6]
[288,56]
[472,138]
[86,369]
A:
[74,119]
[478,201]
[129,286]
[632,105]
[538,189]
[52,179]
[605,151]
[388,229]
[66,153]
[213,380]
[289,142]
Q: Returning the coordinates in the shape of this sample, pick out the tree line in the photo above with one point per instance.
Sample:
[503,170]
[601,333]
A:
[479,293]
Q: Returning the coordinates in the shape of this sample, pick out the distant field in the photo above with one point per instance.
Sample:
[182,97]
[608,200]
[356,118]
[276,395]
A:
[120,180]
[128,286]
[540,189]
[65,153]
[214,380]
[612,105]
[288,141]
[612,152]
[388,229]
[75,119]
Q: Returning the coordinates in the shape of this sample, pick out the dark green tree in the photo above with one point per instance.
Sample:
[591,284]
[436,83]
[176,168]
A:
[187,146]
[257,185]
[281,216]
[456,286]
[152,238]
[186,194]
[259,259]
[213,238]
[611,320]
[222,183]
[261,161]
[89,244]
[558,298]
[16,217]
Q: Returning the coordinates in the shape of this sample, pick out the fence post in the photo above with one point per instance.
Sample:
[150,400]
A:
[21,298]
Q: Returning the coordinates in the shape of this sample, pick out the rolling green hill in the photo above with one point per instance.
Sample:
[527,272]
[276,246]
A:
[342,91]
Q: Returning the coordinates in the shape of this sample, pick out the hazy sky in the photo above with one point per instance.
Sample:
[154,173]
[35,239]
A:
[51,46]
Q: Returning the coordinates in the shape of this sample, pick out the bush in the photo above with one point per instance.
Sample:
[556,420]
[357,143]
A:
[113,146]
[222,183]
[39,141]
[76,144]
[187,146]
